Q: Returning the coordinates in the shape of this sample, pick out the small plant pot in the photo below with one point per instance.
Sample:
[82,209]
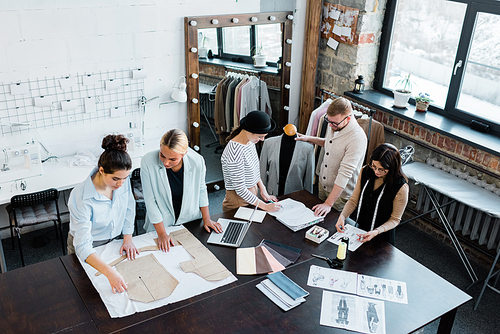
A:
[202,52]
[422,106]
[401,99]
[259,60]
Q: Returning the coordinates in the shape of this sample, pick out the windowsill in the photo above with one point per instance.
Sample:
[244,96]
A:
[244,66]
[462,132]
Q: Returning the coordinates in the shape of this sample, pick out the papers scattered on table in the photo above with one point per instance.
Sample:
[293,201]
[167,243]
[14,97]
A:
[295,215]
[245,214]
[350,232]
[353,313]
[282,291]
[361,285]
[332,279]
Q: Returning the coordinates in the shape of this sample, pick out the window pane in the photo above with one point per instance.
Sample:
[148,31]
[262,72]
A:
[424,43]
[208,38]
[237,40]
[269,37]
[480,90]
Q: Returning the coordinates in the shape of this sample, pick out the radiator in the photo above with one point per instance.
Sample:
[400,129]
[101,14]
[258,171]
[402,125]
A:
[478,226]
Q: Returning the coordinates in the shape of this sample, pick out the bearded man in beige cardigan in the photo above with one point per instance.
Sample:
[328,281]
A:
[345,147]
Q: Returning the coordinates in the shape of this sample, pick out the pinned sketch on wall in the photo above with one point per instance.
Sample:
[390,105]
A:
[339,24]
[353,313]
[72,99]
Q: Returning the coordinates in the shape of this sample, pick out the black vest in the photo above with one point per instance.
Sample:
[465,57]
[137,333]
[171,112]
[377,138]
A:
[369,202]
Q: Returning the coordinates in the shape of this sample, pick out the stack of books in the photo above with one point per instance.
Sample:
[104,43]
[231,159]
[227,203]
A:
[282,291]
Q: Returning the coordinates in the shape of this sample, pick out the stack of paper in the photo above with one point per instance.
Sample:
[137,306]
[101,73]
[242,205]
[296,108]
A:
[295,215]
[282,291]
[248,214]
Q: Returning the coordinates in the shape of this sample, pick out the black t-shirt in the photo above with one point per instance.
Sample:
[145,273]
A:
[175,179]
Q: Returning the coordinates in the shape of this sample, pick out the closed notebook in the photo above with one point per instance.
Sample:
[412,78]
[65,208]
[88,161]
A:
[287,285]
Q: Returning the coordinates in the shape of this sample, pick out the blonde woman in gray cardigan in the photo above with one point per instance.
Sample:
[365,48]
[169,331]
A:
[345,147]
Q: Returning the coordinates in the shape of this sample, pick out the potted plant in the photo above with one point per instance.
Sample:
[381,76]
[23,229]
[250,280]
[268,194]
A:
[402,92]
[259,58]
[422,102]
[203,50]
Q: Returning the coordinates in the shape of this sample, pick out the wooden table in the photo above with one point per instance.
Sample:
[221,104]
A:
[41,298]
[240,308]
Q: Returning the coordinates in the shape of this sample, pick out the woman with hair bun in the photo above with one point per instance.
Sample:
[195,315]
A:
[173,183]
[381,195]
[102,208]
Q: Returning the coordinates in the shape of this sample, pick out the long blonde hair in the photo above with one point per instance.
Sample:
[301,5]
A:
[176,140]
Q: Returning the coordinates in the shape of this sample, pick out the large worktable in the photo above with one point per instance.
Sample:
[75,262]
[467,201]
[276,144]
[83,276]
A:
[237,307]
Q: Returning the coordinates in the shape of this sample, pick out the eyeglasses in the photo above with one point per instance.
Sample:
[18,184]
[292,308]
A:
[380,170]
[333,123]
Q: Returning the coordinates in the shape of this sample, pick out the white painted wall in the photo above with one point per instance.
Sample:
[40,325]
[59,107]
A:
[54,38]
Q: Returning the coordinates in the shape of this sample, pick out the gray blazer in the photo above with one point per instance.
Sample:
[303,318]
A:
[300,174]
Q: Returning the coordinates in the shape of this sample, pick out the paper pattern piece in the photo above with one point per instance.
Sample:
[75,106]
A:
[332,43]
[205,264]
[147,279]
[120,305]
[332,279]
[353,313]
[245,214]
[350,232]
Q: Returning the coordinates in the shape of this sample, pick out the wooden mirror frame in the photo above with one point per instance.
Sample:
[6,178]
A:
[191,26]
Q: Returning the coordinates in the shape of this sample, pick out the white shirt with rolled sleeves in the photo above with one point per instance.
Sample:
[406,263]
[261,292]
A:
[94,217]
[343,159]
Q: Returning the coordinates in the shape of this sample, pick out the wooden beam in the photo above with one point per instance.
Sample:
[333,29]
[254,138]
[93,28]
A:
[310,63]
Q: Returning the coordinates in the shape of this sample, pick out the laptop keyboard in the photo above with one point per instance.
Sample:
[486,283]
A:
[232,233]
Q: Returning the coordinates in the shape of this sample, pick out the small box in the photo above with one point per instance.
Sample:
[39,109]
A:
[317,234]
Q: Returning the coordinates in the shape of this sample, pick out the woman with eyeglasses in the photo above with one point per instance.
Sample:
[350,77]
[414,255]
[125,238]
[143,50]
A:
[380,195]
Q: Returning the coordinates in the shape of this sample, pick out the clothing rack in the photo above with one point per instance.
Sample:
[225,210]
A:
[243,69]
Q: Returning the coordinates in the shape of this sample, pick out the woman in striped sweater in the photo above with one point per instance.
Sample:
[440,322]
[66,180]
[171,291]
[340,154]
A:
[240,164]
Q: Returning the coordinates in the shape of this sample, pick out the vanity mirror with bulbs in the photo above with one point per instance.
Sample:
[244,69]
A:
[221,44]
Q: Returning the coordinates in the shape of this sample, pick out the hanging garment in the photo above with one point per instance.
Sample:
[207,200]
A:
[250,97]
[300,173]
[315,117]
[377,135]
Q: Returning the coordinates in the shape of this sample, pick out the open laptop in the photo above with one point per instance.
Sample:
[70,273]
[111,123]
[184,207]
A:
[233,232]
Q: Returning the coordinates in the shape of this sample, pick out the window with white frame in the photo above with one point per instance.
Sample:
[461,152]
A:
[452,51]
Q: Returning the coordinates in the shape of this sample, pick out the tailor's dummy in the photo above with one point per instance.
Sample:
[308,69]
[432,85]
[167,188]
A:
[287,165]
[286,153]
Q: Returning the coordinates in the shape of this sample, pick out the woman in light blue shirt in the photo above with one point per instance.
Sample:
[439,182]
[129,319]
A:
[173,182]
[102,208]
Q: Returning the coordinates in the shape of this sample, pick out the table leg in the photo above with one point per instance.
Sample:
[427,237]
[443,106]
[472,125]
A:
[3,265]
[446,322]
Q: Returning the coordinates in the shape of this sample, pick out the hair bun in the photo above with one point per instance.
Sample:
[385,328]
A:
[115,142]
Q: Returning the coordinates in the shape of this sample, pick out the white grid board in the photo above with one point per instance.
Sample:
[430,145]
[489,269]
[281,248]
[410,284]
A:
[21,109]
